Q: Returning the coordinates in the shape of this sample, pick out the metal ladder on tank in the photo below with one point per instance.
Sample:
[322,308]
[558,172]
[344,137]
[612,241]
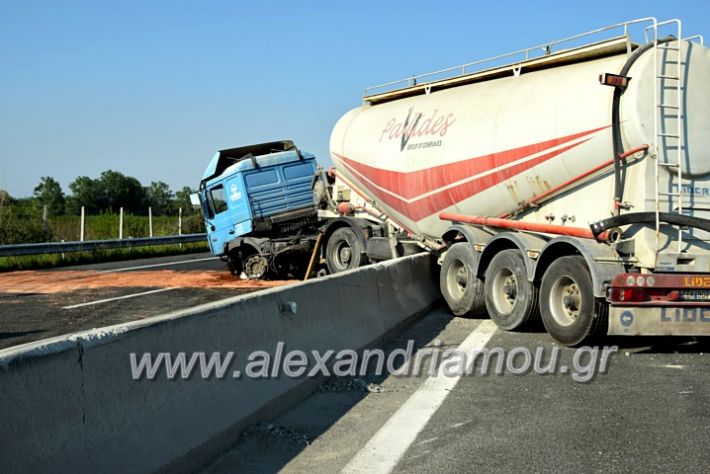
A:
[669,77]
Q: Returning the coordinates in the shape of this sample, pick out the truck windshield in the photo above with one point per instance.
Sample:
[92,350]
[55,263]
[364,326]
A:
[217,202]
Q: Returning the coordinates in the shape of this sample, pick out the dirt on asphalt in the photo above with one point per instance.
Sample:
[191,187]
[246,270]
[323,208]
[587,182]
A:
[72,280]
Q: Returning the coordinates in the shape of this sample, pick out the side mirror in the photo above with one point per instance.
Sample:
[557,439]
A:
[195,200]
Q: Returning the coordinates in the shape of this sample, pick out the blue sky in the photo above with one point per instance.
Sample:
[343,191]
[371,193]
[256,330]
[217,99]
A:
[153,89]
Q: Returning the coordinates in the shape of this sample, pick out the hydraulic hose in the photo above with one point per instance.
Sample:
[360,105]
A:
[649,218]
[616,121]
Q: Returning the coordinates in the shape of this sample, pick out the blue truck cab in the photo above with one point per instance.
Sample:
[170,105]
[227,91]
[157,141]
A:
[256,191]
[270,211]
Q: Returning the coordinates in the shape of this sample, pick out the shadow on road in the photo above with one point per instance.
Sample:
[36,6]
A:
[11,335]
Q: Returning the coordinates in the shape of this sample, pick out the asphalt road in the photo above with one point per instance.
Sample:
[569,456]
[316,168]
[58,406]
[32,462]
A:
[194,261]
[69,299]
[648,413]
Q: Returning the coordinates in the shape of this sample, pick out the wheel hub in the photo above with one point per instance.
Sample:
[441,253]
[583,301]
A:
[345,254]
[565,301]
[462,278]
[505,288]
[570,300]
[510,289]
[457,279]
[255,267]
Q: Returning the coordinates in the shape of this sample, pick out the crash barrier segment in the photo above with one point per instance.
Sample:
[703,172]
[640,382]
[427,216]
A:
[94,245]
[70,402]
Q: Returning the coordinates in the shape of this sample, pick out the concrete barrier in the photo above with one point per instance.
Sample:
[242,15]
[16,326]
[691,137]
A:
[70,403]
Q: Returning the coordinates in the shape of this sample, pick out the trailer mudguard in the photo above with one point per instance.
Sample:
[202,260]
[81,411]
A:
[603,262]
[474,235]
[357,224]
[526,243]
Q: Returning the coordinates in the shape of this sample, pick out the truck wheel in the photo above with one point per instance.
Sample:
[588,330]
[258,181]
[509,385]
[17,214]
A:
[344,250]
[511,300]
[460,287]
[255,267]
[570,311]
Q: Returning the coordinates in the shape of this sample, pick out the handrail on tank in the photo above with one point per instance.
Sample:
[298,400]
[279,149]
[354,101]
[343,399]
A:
[546,47]
[699,38]
[659,24]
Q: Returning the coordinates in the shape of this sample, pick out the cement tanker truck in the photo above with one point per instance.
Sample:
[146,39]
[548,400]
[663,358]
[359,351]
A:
[568,182]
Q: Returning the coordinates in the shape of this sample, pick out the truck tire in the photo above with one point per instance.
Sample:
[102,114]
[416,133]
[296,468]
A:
[511,300]
[344,250]
[570,312]
[459,285]
[235,264]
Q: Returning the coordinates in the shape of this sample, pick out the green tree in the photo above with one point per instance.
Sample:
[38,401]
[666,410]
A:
[20,221]
[49,193]
[182,199]
[160,197]
[118,190]
[111,191]
[85,192]
[5,198]
[5,213]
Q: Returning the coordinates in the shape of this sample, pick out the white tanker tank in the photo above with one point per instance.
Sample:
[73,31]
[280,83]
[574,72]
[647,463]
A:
[492,142]
[599,153]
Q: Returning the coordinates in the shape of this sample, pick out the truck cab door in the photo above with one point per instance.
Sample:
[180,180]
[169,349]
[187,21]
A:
[239,205]
[228,213]
[217,219]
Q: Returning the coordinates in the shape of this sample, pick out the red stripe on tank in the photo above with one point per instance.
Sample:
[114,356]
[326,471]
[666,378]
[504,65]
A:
[411,194]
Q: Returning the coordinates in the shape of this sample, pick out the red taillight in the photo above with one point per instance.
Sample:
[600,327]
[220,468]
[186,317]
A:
[628,295]
[641,294]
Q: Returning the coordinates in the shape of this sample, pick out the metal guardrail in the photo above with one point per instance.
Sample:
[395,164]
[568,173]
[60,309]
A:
[93,245]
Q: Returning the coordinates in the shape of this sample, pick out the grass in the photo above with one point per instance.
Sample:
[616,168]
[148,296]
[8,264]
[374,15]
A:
[105,226]
[30,262]
[22,223]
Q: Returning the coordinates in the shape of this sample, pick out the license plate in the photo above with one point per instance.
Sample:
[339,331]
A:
[695,295]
